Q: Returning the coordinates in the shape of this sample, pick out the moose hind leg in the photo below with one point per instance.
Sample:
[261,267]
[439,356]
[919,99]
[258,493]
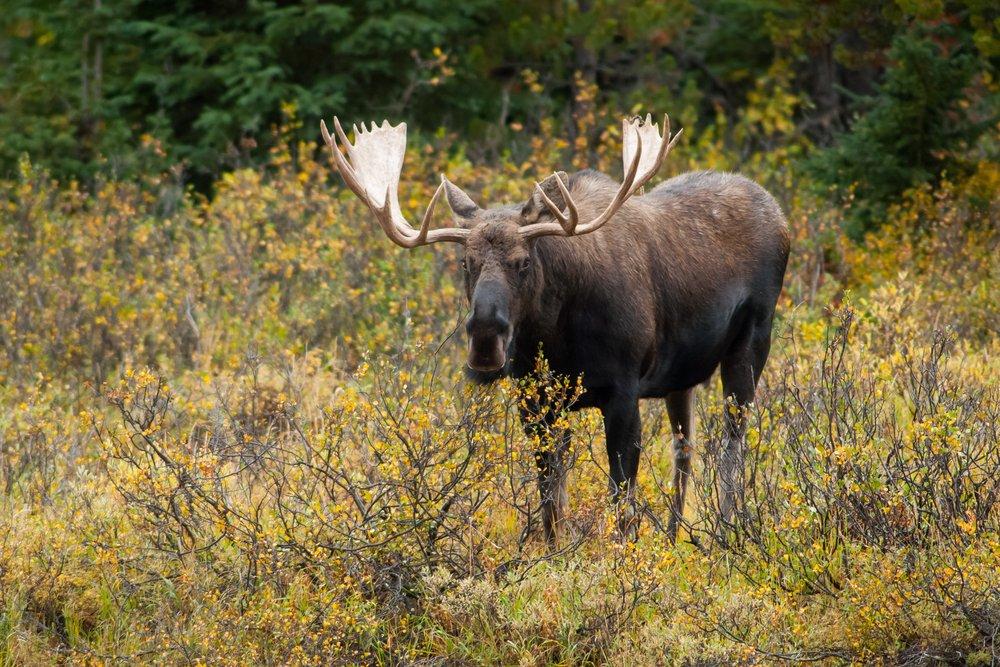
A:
[740,370]
[679,409]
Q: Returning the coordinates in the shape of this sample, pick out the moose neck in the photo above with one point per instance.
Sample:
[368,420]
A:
[557,274]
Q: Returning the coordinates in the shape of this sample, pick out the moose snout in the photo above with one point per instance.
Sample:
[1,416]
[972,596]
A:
[490,312]
[489,328]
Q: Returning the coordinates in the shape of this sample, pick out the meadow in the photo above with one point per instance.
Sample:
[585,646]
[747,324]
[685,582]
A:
[234,429]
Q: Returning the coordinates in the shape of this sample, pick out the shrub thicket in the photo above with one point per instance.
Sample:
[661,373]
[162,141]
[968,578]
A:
[235,431]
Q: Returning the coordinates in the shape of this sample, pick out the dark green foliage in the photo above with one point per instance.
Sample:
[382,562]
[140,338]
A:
[121,87]
[913,129]
[207,79]
[52,106]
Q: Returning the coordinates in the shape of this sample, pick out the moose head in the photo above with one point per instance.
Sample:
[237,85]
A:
[503,276]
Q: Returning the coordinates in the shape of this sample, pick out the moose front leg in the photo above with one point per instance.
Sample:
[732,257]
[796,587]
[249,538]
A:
[623,431]
[551,461]
[551,445]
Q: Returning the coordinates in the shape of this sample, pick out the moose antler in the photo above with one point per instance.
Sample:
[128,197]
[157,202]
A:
[376,160]
[643,152]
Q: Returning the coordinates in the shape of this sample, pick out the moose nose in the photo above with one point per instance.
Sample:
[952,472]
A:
[489,311]
[488,322]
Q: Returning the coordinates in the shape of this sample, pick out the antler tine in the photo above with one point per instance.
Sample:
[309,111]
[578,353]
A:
[625,191]
[341,134]
[567,222]
[343,166]
[551,205]
[374,164]
[568,225]
[667,144]
[629,185]
[574,216]
[425,222]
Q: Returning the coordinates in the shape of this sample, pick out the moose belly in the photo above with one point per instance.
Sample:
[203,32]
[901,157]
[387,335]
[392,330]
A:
[688,355]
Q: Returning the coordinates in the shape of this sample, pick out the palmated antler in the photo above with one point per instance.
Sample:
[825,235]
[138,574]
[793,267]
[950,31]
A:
[371,170]
[643,152]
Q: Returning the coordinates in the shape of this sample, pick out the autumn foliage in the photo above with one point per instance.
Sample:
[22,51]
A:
[235,431]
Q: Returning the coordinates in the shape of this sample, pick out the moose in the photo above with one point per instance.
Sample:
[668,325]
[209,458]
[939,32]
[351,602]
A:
[641,294]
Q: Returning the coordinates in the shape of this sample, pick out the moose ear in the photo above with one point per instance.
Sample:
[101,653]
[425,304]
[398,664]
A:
[461,204]
[535,207]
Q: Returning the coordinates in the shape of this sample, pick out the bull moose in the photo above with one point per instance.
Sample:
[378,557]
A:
[642,295]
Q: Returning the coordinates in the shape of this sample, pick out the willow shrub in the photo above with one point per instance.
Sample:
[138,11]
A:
[237,431]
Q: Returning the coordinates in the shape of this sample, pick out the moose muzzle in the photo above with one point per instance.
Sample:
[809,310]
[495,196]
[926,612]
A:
[489,326]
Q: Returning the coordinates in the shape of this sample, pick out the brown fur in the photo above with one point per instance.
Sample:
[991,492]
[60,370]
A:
[682,279]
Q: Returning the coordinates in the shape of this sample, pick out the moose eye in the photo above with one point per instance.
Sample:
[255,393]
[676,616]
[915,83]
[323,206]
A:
[465,266]
[523,266]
